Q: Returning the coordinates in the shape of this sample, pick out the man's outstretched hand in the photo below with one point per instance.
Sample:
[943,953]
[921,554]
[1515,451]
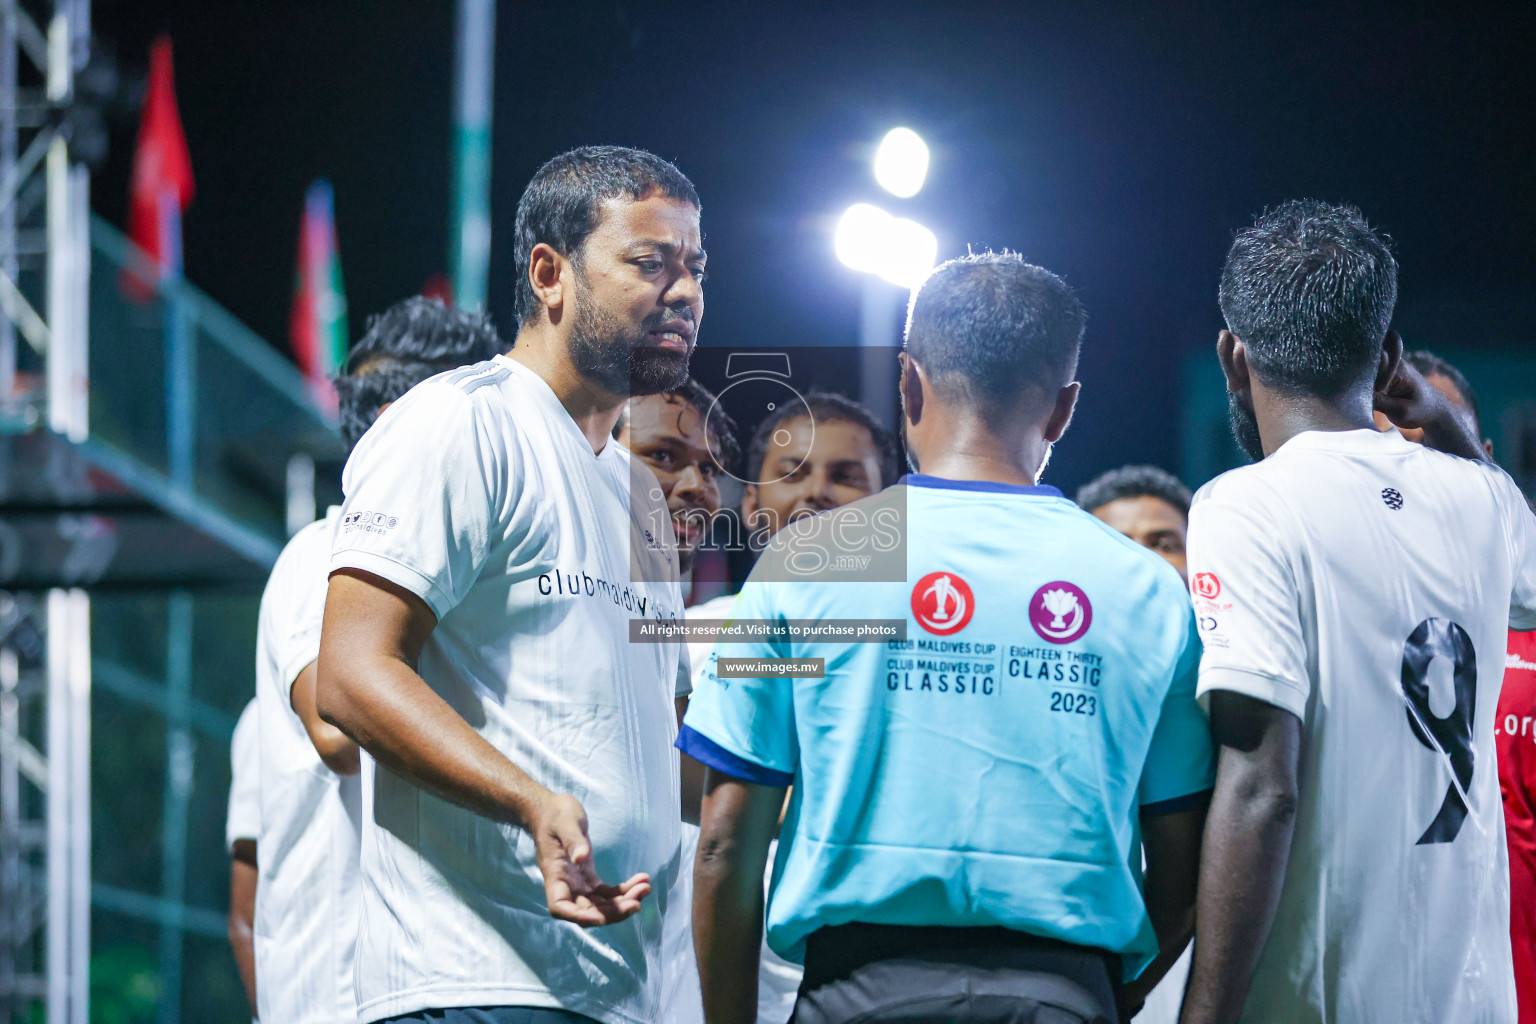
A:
[571,886]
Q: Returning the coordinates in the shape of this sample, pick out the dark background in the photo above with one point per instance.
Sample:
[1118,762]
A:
[1119,145]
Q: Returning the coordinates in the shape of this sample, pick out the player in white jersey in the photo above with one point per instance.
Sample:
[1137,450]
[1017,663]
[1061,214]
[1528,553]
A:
[1353,591]
[242,828]
[495,547]
[308,898]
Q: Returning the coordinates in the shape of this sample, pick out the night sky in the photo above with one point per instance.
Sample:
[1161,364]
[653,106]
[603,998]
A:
[1119,145]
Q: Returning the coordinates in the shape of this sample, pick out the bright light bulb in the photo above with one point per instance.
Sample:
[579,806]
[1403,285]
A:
[901,162]
[861,237]
[910,252]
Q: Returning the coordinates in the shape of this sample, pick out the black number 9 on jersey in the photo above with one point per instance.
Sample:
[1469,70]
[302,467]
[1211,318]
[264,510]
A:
[1451,735]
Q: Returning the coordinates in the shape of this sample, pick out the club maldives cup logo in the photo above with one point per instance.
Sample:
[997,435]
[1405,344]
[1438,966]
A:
[1060,612]
[1206,585]
[942,603]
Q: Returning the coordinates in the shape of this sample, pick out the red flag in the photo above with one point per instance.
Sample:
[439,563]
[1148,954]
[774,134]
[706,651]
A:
[162,168]
[437,287]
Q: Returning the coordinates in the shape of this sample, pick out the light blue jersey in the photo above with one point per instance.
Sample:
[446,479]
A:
[990,769]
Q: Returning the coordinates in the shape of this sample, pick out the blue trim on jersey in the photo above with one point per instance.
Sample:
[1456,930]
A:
[706,751]
[1177,804]
[940,483]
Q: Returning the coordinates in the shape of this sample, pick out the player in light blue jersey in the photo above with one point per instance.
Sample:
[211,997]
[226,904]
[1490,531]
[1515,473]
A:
[963,840]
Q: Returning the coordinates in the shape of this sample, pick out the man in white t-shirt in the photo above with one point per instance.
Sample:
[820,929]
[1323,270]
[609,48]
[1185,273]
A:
[1353,592]
[495,549]
[242,828]
[308,898]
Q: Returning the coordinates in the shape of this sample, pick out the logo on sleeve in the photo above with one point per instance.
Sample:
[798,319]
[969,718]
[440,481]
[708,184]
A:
[368,522]
[1060,612]
[1206,585]
[942,603]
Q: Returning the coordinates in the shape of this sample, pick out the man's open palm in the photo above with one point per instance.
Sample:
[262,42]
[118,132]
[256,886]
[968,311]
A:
[571,886]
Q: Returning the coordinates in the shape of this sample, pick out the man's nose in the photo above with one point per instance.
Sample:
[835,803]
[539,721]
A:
[818,489]
[684,290]
[689,481]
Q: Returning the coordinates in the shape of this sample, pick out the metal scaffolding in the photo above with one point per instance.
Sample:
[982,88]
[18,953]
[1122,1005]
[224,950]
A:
[44,638]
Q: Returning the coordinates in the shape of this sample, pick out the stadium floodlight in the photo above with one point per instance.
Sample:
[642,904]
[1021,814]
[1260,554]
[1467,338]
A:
[910,252]
[894,249]
[861,237]
[901,162]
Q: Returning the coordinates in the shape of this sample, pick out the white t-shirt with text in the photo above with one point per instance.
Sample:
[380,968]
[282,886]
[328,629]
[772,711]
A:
[478,493]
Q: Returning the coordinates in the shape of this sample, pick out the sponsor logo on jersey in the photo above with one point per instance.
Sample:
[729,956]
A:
[1060,612]
[1515,661]
[1392,498]
[1206,585]
[942,603]
[368,522]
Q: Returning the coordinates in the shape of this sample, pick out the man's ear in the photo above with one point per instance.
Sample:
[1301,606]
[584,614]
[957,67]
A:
[1233,356]
[911,389]
[1061,412]
[1391,357]
[546,275]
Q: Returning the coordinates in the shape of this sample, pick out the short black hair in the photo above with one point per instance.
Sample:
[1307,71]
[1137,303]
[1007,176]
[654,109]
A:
[412,340]
[989,325]
[560,206]
[1309,289]
[1429,364]
[1134,482]
[721,428]
[825,407]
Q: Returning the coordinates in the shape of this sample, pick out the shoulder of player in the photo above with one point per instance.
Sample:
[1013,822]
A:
[1259,491]
[309,549]
[467,388]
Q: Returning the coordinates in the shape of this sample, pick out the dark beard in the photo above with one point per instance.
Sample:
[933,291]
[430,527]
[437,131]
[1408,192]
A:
[616,364]
[1245,428]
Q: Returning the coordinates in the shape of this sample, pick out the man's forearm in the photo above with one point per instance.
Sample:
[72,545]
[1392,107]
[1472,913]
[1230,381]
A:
[242,915]
[1450,434]
[736,827]
[727,933]
[393,714]
[1247,846]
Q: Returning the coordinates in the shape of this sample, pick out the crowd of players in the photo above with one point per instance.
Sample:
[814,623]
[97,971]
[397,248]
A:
[1266,718]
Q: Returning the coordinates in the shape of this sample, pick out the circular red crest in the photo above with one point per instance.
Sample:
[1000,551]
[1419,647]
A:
[942,603]
[1206,585]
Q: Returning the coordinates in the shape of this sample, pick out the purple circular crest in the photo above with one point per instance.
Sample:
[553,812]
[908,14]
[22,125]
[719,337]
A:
[1060,612]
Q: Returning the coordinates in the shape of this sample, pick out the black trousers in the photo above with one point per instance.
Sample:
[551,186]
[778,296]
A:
[886,974]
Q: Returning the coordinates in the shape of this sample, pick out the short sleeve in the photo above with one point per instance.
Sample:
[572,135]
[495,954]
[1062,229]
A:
[1181,762]
[244,818]
[297,590]
[745,728]
[1247,606]
[683,686]
[423,489]
[1522,544]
